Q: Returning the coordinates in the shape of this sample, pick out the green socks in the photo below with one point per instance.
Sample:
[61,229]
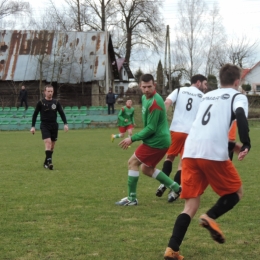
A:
[133,177]
[165,180]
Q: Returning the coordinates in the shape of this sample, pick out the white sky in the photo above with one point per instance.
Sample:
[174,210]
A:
[240,17]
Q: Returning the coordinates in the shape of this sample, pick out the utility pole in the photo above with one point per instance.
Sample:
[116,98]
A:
[107,43]
[167,56]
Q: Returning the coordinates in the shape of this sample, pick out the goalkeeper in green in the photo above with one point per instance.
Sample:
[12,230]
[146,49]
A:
[125,121]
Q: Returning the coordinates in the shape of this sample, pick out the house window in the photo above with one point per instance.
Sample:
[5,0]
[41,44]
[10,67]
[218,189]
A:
[258,88]
[116,89]
[121,91]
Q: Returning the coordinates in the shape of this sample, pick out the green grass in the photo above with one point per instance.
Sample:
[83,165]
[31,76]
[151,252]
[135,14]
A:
[69,213]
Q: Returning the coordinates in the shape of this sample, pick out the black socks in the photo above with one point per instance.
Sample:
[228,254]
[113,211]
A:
[48,156]
[167,167]
[177,177]
[179,230]
[223,205]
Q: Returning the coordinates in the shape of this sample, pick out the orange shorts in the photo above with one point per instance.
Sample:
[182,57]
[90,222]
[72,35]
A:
[149,156]
[197,174]
[232,131]
[177,145]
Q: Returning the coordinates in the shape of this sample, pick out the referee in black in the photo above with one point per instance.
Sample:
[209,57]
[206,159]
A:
[48,108]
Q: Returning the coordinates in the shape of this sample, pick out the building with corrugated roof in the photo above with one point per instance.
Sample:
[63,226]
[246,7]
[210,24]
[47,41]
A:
[73,62]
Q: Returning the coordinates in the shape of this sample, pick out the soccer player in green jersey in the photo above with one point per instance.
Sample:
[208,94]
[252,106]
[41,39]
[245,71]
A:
[125,121]
[155,137]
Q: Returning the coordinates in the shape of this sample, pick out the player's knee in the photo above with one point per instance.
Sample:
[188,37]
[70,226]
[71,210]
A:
[170,158]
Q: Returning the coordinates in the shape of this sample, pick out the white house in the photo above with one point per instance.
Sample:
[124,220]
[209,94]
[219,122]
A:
[252,76]
[125,77]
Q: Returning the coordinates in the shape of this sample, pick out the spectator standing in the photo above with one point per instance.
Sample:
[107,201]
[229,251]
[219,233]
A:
[110,100]
[23,97]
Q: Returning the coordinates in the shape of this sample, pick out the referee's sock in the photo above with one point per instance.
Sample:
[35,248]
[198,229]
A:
[48,156]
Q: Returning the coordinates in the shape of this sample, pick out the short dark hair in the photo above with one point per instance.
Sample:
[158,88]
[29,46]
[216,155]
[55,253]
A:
[197,77]
[228,74]
[48,86]
[146,78]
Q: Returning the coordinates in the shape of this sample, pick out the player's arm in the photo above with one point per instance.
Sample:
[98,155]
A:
[150,128]
[120,115]
[63,116]
[243,129]
[132,117]
[171,99]
[34,116]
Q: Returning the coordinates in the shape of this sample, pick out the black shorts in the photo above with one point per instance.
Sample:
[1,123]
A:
[49,131]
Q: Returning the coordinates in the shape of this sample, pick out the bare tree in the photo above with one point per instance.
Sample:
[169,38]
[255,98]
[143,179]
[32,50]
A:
[140,25]
[241,52]
[190,43]
[8,8]
[102,13]
[215,37]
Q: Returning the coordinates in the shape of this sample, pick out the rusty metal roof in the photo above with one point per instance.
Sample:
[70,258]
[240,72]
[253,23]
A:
[64,57]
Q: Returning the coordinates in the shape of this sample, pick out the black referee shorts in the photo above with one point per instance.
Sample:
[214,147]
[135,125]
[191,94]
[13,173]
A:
[49,131]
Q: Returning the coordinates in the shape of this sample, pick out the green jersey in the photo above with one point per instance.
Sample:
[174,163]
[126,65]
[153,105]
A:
[126,113]
[156,132]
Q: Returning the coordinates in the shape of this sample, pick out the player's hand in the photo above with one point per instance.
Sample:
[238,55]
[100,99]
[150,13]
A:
[32,130]
[125,143]
[66,128]
[242,154]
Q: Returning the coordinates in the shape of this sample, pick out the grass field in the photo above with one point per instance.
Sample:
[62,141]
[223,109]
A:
[69,213]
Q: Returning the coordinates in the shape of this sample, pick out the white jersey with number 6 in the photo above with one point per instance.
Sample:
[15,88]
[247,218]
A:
[208,137]
[187,103]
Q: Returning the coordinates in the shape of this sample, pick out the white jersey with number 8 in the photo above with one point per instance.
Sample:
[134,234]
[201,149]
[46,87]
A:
[187,101]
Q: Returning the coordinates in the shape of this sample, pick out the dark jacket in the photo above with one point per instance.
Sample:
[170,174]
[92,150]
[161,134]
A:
[110,98]
[23,94]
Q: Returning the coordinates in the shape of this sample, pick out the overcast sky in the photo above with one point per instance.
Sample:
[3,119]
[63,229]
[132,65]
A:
[240,17]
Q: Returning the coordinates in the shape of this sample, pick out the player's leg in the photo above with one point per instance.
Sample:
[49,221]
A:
[193,184]
[133,176]
[54,138]
[122,131]
[167,169]
[180,228]
[177,144]
[130,131]
[48,153]
[172,196]
[225,181]
[46,137]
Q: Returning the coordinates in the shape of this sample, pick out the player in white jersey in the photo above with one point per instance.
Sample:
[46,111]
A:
[205,159]
[186,100]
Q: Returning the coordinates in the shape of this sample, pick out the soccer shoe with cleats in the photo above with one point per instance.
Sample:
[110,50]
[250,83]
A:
[126,202]
[161,189]
[50,166]
[172,255]
[45,166]
[213,228]
[112,138]
[172,196]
